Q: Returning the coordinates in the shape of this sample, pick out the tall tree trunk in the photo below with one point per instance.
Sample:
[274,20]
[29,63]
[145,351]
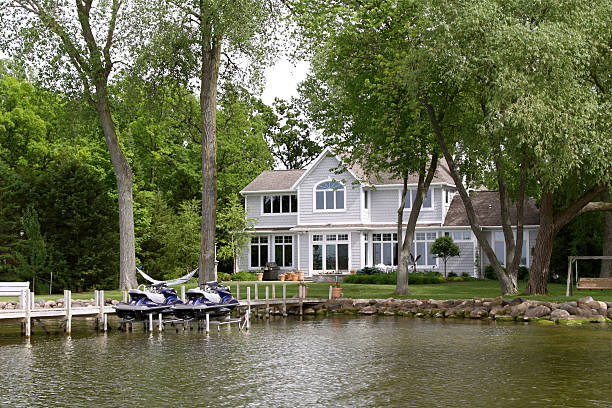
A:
[123,176]
[208,102]
[550,225]
[506,284]
[404,245]
[606,265]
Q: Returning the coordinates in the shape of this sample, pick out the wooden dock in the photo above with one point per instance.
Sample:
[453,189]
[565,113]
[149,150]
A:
[27,312]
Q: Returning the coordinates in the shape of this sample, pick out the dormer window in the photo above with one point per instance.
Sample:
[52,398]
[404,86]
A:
[411,196]
[329,196]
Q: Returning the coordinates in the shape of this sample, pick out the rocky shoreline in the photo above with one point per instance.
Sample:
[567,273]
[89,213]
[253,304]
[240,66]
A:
[584,310]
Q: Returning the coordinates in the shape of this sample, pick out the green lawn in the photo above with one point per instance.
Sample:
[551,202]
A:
[451,290]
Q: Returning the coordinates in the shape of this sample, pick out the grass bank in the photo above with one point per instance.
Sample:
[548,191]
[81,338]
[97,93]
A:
[449,290]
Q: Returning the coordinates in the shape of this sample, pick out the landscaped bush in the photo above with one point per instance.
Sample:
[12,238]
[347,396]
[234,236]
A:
[222,276]
[451,275]
[244,276]
[369,270]
[523,273]
[490,272]
[417,278]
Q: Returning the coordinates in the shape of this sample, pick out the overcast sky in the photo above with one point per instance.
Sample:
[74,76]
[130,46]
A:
[282,80]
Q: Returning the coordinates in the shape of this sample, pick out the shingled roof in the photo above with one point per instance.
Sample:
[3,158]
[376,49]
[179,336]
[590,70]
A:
[442,176]
[487,207]
[274,180]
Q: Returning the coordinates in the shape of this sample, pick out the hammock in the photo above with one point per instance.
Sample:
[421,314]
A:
[171,282]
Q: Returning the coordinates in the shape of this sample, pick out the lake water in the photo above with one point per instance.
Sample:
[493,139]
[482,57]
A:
[330,362]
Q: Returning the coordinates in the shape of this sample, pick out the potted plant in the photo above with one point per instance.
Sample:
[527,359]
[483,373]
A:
[260,276]
[281,277]
[336,290]
[300,275]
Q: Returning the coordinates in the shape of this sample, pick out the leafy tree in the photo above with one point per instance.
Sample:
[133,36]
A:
[358,94]
[78,46]
[444,247]
[32,265]
[291,142]
[233,228]
[198,42]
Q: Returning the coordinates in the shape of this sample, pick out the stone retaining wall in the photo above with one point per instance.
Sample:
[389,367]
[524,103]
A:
[584,310]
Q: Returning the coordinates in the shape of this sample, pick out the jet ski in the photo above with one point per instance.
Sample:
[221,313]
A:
[159,297]
[214,300]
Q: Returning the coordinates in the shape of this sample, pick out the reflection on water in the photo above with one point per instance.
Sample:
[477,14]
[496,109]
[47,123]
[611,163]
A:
[332,362]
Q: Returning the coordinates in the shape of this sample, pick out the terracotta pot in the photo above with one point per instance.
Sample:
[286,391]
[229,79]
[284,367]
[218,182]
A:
[352,271]
[260,276]
[300,275]
[288,276]
[336,292]
[294,277]
[281,277]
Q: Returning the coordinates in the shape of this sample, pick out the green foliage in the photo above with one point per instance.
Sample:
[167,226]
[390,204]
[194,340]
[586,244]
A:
[417,278]
[489,273]
[225,277]
[32,264]
[369,270]
[523,273]
[244,276]
[444,247]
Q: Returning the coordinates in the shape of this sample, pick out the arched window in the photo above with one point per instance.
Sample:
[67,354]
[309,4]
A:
[329,195]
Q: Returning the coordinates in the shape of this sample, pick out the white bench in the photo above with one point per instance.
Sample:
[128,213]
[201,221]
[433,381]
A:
[13,288]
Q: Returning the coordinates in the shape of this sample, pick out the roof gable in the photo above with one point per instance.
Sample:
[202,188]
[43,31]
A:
[273,180]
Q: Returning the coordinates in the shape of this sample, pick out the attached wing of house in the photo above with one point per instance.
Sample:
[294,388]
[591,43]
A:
[320,220]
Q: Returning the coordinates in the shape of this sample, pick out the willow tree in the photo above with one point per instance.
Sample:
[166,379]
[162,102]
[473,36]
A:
[362,98]
[76,46]
[532,68]
[206,43]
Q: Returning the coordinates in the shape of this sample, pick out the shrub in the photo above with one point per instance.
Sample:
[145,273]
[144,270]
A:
[369,270]
[417,278]
[222,276]
[244,276]
[490,273]
[523,273]
[451,275]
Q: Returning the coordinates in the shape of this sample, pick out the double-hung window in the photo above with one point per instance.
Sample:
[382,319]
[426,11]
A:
[329,196]
[459,235]
[259,252]
[422,248]
[283,250]
[411,196]
[384,247]
[280,204]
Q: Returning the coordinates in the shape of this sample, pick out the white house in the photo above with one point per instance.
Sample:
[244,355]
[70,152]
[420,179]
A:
[317,220]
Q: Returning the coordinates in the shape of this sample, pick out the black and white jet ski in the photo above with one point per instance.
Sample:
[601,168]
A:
[215,300]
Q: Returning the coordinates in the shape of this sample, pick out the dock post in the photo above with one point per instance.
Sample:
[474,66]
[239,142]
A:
[27,306]
[301,298]
[330,292]
[105,327]
[249,299]
[256,292]
[237,291]
[125,296]
[101,303]
[207,323]
[248,319]
[150,322]
[267,302]
[274,291]
[284,299]
[160,326]
[183,293]
[68,303]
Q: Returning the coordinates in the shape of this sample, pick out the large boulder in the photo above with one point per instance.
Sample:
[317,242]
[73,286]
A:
[584,300]
[559,314]
[479,313]
[369,310]
[537,311]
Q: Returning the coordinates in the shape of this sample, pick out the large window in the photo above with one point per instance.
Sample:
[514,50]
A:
[422,248]
[411,196]
[330,252]
[384,248]
[283,250]
[259,252]
[499,247]
[329,196]
[279,204]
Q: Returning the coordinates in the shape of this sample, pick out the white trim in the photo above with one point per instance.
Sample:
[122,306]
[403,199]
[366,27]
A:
[323,244]
[263,214]
[401,186]
[268,192]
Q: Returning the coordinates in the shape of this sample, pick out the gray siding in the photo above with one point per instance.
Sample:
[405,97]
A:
[386,202]
[352,200]
[304,249]
[254,211]
[355,250]
[462,264]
